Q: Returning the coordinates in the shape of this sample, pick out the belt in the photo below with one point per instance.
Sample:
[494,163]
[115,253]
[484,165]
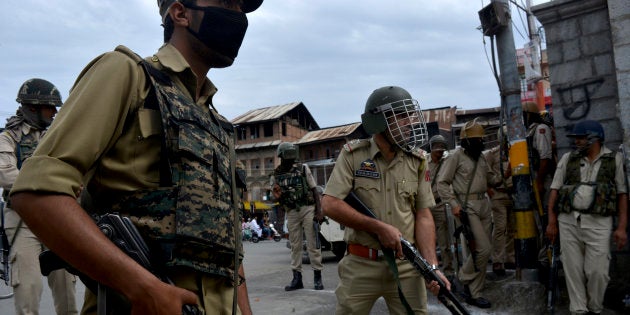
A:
[364,251]
[475,196]
[438,200]
[504,190]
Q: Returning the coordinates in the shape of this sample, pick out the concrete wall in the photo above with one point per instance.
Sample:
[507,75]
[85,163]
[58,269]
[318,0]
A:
[581,66]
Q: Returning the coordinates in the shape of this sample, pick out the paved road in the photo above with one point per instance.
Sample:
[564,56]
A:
[267,269]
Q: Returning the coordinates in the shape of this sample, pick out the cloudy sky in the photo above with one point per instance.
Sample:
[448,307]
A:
[328,54]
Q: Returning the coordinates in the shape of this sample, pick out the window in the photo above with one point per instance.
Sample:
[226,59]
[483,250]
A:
[284,129]
[268,129]
[269,164]
[253,131]
[242,133]
[255,166]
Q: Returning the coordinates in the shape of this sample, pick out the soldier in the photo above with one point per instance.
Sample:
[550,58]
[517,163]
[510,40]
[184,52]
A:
[38,100]
[501,198]
[540,149]
[463,183]
[436,159]
[162,155]
[387,172]
[587,191]
[294,187]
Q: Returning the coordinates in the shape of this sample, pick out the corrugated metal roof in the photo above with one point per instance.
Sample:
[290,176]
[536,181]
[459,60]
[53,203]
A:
[329,133]
[265,113]
[258,145]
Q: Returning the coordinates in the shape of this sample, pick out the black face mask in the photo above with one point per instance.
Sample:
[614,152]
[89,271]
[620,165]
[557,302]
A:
[221,30]
[473,147]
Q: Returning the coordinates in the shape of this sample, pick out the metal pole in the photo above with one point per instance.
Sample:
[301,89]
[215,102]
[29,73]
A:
[525,241]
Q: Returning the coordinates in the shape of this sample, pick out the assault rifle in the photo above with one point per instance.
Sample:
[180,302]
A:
[4,248]
[468,235]
[552,286]
[452,239]
[121,231]
[417,261]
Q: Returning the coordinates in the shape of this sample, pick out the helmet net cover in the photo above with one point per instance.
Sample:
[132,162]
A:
[287,151]
[405,123]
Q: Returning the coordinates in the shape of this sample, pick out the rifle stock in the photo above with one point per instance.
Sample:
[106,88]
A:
[417,261]
[4,258]
[552,289]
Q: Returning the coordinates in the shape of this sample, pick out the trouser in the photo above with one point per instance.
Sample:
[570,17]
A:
[585,261]
[216,294]
[301,222]
[503,229]
[26,276]
[362,281]
[480,218]
[443,238]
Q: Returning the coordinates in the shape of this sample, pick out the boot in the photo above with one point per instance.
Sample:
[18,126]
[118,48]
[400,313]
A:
[318,280]
[296,283]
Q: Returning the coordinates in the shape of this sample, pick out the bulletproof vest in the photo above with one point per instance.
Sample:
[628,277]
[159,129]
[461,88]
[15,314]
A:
[190,218]
[24,149]
[295,190]
[605,201]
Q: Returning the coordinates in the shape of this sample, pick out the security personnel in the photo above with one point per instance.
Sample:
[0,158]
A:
[501,198]
[463,183]
[38,100]
[436,160]
[162,155]
[294,187]
[387,172]
[539,146]
[588,189]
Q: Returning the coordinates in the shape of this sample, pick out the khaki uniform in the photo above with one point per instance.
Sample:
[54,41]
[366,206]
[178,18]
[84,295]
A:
[453,182]
[394,191]
[503,222]
[26,276]
[541,135]
[299,223]
[440,218]
[585,238]
[124,155]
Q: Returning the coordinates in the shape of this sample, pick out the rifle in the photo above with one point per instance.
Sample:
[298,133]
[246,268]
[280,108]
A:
[318,243]
[468,235]
[452,239]
[552,289]
[417,261]
[5,248]
[122,232]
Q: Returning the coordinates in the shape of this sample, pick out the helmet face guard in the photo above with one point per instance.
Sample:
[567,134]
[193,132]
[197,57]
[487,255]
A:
[405,123]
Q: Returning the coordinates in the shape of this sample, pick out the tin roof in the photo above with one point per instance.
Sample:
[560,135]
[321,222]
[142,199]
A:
[329,133]
[266,113]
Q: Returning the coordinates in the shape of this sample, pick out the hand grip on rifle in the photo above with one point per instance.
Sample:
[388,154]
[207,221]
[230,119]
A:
[417,261]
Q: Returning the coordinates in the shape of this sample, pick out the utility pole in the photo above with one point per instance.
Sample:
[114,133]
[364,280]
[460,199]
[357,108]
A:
[496,21]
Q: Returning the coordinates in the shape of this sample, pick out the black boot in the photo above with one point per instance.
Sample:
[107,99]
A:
[296,283]
[318,280]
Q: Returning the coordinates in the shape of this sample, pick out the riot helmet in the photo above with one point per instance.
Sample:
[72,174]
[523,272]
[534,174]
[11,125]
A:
[39,99]
[471,137]
[438,143]
[472,129]
[591,129]
[287,151]
[392,109]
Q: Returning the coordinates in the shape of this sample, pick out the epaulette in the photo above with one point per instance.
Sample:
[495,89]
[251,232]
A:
[130,53]
[419,153]
[355,144]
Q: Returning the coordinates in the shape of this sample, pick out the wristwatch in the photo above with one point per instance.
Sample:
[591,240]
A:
[434,267]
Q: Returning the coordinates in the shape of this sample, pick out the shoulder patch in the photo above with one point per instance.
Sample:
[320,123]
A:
[542,131]
[355,144]
[367,169]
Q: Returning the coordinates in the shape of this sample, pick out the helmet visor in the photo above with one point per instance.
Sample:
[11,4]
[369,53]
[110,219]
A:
[405,123]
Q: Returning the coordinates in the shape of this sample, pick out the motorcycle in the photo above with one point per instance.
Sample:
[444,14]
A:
[267,234]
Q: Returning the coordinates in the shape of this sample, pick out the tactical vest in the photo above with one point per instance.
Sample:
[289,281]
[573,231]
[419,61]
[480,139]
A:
[605,201]
[190,219]
[295,190]
[24,148]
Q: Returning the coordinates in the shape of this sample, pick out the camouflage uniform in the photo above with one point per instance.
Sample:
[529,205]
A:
[394,191]
[16,145]
[585,228]
[155,148]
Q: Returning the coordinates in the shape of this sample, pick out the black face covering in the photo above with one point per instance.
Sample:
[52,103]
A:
[473,147]
[221,30]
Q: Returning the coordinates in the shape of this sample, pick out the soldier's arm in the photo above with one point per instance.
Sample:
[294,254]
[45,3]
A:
[243,296]
[64,227]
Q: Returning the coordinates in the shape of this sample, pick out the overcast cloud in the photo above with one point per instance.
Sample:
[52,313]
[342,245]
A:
[329,54]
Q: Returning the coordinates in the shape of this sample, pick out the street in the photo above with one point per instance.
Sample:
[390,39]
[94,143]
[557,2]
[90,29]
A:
[267,272]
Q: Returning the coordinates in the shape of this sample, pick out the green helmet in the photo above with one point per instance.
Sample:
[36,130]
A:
[392,109]
[287,151]
[438,139]
[39,92]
